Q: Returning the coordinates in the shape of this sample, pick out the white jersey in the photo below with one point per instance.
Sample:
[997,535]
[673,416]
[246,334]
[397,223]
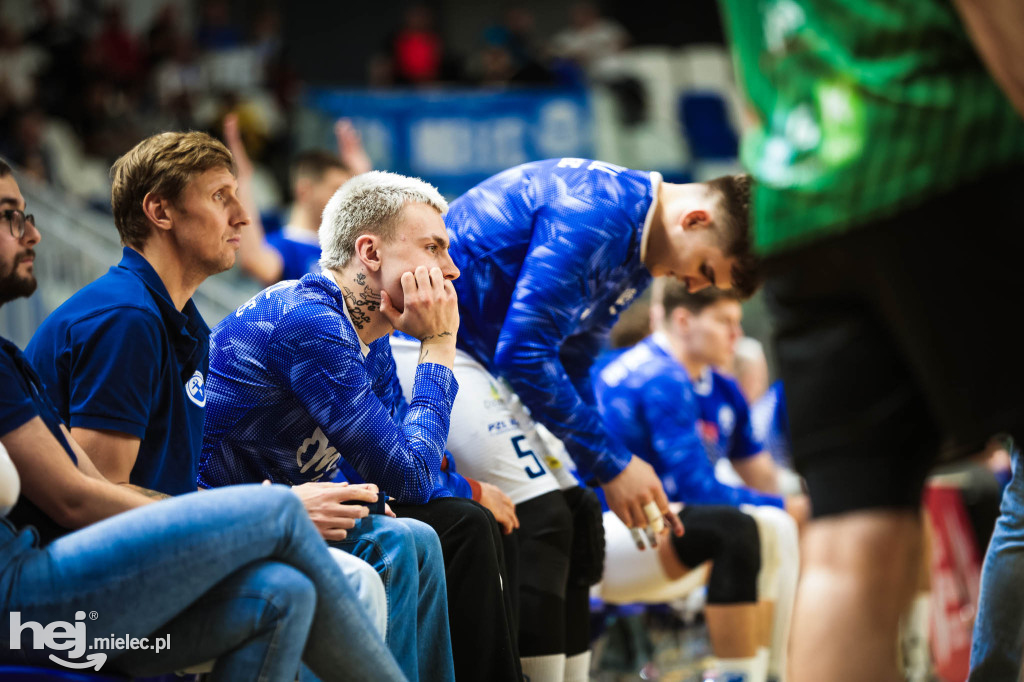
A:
[491,435]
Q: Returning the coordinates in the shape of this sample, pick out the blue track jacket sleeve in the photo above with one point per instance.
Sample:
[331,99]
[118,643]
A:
[455,483]
[356,409]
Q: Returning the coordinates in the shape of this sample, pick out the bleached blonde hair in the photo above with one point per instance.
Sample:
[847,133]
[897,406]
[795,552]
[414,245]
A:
[369,204]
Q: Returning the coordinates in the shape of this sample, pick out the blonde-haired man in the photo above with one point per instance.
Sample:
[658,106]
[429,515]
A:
[125,358]
[303,387]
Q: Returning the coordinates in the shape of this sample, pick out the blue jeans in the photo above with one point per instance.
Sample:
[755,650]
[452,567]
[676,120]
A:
[407,555]
[999,628]
[237,574]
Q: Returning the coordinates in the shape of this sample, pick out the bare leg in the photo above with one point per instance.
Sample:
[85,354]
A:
[766,622]
[860,571]
[733,628]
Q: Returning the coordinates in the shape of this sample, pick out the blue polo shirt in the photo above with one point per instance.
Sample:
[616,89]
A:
[119,356]
[647,401]
[725,423]
[299,249]
[22,400]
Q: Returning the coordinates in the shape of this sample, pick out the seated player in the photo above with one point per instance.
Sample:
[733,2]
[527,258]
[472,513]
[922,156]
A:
[125,359]
[647,398]
[238,575]
[731,552]
[302,376]
[725,425]
[550,253]
[315,176]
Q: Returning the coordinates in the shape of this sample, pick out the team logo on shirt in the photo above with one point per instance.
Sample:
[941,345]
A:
[317,454]
[708,431]
[623,301]
[194,389]
[726,419]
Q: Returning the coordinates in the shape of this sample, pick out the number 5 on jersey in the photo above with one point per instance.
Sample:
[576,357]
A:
[532,473]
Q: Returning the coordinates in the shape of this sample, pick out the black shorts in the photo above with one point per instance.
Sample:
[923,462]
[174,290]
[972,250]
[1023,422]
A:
[898,344]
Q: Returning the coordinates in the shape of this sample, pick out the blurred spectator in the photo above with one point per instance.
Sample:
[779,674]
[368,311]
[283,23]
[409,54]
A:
[20,64]
[119,50]
[178,77]
[750,367]
[589,38]
[265,33]
[416,49]
[216,31]
[510,53]
[315,176]
[494,66]
[79,86]
[61,41]
[26,147]
[163,35]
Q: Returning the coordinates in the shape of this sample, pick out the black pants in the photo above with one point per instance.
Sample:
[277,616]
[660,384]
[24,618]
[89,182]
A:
[544,543]
[897,347]
[480,611]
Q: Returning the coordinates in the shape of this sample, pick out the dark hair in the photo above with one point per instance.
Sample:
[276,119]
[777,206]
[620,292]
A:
[675,295]
[5,169]
[734,221]
[163,164]
[314,164]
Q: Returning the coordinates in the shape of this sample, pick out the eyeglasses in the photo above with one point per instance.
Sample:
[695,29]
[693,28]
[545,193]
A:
[17,220]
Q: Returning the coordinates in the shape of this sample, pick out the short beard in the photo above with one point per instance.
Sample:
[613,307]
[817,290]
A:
[13,285]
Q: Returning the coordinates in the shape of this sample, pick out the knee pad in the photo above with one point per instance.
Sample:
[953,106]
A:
[587,556]
[545,543]
[545,540]
[632,576]
[729,538]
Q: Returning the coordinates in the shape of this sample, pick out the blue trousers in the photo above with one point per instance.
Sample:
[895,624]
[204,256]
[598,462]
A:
[999,629]
[407,555]
[237,574]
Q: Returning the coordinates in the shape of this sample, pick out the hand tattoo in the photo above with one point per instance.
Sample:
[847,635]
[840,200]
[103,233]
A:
[361,303]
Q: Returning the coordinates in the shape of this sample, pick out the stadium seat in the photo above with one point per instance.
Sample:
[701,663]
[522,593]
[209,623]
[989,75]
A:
[705,120]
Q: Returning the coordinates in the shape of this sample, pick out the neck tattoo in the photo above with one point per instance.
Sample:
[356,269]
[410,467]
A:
[361,303]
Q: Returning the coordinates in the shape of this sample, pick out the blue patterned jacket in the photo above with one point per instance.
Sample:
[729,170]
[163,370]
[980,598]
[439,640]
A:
[551,253]
[292,390]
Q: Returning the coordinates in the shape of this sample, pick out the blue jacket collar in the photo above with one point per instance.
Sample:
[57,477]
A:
[325,284]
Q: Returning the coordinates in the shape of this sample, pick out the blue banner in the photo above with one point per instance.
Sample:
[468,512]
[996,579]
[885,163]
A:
[455,139]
